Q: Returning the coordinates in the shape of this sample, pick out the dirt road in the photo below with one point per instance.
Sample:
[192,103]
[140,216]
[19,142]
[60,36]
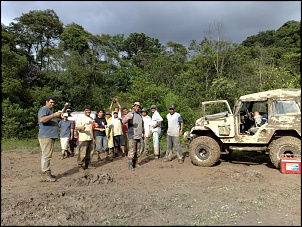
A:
[246,191]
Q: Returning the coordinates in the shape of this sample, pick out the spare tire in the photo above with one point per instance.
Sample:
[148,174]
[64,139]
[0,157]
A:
[204,151]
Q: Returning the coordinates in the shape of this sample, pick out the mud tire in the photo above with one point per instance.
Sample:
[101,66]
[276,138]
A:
[283,145]
[204,151]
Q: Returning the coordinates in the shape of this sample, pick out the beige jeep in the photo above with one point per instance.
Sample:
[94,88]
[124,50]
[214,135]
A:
[221,130]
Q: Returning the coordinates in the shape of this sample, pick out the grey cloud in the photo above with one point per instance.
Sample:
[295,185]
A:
[177,21]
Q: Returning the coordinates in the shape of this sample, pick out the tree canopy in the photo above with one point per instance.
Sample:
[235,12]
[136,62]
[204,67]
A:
[42,57]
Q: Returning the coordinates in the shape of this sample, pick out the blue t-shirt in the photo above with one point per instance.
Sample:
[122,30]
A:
[49,129]
[65,128]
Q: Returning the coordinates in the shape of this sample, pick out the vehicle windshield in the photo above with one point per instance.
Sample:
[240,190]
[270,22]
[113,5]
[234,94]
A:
[287,107]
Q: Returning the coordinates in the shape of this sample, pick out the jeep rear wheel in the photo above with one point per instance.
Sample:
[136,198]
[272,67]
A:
[204,151]
[285,145]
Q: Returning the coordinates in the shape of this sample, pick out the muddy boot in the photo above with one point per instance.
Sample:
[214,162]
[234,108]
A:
[168,156]
[48,177]
[130,163]
[63,156]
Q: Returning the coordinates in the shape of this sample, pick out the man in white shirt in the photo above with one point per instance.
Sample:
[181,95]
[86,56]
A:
[147,126]
[115,125]
[156,130]
[174,132]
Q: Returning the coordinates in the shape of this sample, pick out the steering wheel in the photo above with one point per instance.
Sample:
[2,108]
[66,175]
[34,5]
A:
[247,116]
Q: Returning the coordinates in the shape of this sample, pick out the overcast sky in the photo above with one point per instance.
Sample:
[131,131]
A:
[176,21]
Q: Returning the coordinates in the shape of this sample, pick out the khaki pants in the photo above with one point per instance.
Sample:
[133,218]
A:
[46,145]
[86,150]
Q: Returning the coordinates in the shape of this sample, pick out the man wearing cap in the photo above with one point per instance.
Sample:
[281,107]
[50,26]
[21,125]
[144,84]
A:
[156,130]
[174,132]
[66,134]
[72,142]
[84,126]
[147,127]
[135,133]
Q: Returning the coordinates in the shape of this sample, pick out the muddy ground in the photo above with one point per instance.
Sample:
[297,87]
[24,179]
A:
[244,191]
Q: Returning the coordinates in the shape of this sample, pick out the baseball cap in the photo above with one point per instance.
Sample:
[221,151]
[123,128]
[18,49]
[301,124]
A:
[87,107]
[115,112]
[68,110]
[108,113]
[171,107]
[144,110]
[137,104]
[153,107]
[65,115]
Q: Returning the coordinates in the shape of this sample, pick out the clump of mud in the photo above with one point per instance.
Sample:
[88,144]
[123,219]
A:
[92,179]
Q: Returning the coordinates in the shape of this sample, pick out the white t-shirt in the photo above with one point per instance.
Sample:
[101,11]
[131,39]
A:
[147,125]
[116,126]
[156,118]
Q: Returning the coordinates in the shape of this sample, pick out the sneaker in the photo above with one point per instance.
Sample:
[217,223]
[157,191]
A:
[180,161]
[71,154]
[115,155]
[167,160]
[63,156]
[99,159]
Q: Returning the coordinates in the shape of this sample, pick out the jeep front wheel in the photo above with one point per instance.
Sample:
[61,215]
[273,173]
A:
[286,145]
[204,151]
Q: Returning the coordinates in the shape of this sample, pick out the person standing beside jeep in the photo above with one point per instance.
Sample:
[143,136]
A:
[174,132]
[85,129]
[156,130]
[48,133]
[135,133]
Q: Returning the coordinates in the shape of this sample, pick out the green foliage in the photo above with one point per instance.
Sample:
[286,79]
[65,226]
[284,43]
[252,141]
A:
[18,122]
[81,68]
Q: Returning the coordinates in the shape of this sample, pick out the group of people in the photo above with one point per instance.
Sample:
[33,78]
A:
[128,132]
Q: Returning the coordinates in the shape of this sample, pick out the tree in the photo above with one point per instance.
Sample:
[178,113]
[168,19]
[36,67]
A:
[36,31]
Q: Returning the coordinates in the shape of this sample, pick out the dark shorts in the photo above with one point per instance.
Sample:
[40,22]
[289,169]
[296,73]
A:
[118,140]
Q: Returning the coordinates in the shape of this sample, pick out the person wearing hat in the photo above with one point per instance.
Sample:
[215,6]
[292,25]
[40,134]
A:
[135,133]
[174,132]
[66,134]
[117,108]
[72,141]
[156,130]
[84,126]
[147,127]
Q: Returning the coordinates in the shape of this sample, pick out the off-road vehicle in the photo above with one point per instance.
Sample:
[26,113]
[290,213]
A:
[221,130]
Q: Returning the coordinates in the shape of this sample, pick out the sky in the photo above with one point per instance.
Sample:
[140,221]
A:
[176,21]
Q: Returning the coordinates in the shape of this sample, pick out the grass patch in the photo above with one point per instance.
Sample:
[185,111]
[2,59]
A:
[24,145]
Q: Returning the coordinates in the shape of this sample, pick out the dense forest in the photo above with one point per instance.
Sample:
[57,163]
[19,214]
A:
[41,57]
